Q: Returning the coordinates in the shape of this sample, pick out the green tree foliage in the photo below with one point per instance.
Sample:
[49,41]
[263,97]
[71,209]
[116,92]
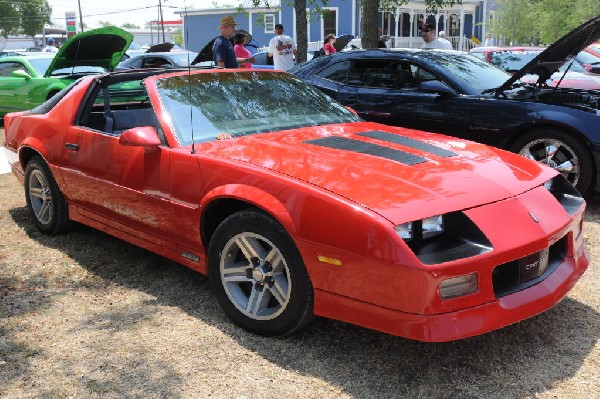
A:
[540,21]
[24,16]
[105,23]
[129,25]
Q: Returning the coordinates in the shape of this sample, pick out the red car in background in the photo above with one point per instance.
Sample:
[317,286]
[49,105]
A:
[572,74]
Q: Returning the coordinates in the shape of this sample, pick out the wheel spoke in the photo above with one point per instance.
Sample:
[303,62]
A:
[250,247]
[278,290]
[43,213]
[236,274]
[566,167]
[259,299]
[550,148]
[275,258]
[36,192]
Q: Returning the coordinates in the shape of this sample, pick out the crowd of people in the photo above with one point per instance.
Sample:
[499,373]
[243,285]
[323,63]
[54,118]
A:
[283,50]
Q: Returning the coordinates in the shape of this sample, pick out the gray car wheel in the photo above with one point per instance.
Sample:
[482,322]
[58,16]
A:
[258,275]
[561,152]
[45,202]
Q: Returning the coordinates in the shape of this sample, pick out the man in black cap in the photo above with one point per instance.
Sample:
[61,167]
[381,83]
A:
[428,36]
[283,49]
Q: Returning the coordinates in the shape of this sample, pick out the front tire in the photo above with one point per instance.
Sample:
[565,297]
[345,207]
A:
[258,276]
[561,152]
[45,202]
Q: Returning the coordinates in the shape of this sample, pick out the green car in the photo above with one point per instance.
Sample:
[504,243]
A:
[26,82]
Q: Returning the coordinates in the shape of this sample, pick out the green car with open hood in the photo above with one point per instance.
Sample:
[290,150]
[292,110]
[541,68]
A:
[27,81]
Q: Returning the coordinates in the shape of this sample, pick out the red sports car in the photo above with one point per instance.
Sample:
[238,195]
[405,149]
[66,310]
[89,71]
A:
[297,208]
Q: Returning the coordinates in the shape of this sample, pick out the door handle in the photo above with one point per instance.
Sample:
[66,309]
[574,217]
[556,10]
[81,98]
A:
[72,147]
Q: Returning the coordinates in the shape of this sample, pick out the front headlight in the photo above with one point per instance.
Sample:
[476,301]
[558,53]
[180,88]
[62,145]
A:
[443,238]
[421,229]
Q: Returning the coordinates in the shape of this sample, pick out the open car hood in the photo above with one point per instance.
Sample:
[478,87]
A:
[103,47]
[549,60]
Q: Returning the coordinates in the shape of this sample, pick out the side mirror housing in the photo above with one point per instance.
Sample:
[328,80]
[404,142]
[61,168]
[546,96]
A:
[436,87]
[144,136]
[20,74]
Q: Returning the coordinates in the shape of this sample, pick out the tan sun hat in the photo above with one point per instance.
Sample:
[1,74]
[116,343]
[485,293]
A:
[227,21]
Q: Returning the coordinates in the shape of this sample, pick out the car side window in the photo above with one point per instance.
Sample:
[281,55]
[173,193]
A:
[135,64]
[384,74]
[119,107]
[154,62]
[336,72]
[6,68]
[421,74]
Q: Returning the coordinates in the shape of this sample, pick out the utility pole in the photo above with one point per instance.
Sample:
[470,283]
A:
[162,25]
[80,15]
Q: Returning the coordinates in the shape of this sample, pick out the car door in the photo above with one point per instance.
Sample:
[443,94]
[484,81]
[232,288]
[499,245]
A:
[10,85]
[125,187]
[389,91]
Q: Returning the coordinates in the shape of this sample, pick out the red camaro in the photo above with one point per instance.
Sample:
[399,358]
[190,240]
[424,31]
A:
[297,208]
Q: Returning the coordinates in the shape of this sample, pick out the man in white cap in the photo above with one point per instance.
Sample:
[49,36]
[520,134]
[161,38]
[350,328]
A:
[223,53]
[283,49]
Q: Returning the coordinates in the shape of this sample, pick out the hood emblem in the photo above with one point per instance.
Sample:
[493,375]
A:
[535,219]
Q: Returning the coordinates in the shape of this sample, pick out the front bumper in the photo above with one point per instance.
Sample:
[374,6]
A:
[462,323]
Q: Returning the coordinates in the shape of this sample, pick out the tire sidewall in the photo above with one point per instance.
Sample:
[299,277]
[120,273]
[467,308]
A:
[300,306]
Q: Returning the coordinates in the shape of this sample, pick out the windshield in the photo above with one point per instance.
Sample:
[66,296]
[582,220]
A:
[469,71]
[512,60]
[40,64]
[205,105]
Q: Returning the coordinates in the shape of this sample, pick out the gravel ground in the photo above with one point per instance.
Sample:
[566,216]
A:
[86,315]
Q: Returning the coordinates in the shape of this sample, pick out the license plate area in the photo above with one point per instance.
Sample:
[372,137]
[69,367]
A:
[533,266]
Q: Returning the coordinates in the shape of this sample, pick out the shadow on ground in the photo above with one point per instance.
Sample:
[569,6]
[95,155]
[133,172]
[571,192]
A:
[521,360]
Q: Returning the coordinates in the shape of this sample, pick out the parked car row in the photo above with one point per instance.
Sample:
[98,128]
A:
[528,112]
[296,206]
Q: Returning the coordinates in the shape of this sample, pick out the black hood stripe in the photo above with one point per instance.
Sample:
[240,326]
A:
[408,142]
[342,143]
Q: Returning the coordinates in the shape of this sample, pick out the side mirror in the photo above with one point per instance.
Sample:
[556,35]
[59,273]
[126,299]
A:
[436,87]
[144,136]
[20,74]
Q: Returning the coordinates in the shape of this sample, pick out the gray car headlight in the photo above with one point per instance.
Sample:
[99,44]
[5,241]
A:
[443,238]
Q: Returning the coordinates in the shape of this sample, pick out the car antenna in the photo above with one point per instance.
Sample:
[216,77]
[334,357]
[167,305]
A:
[187,36]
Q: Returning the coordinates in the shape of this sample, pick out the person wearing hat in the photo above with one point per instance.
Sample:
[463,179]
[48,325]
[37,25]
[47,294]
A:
[283,49]
[428,36]
[223,53]
[50,47]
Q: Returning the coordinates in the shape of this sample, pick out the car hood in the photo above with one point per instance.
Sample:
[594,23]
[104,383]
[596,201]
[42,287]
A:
[395,172]
[549,60]
[103,47]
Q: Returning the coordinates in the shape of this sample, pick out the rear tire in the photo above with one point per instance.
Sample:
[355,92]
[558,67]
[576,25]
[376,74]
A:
[561,152]
[258,276]
[45,202]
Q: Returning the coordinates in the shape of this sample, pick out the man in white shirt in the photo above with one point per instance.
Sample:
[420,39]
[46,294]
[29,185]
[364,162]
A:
[445,42]
[283,49]
[428,36]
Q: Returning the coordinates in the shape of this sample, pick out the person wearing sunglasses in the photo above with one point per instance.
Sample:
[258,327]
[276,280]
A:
[428,36]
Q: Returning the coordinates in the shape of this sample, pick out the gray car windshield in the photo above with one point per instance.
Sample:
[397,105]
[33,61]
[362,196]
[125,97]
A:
[469,71]
[206,105]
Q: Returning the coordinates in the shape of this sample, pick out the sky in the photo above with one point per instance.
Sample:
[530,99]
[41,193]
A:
[119,12]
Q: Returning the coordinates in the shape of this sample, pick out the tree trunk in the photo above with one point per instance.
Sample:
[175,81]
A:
[368,34]
[301,33]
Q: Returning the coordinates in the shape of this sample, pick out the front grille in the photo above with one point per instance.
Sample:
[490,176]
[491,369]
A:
[509,277]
